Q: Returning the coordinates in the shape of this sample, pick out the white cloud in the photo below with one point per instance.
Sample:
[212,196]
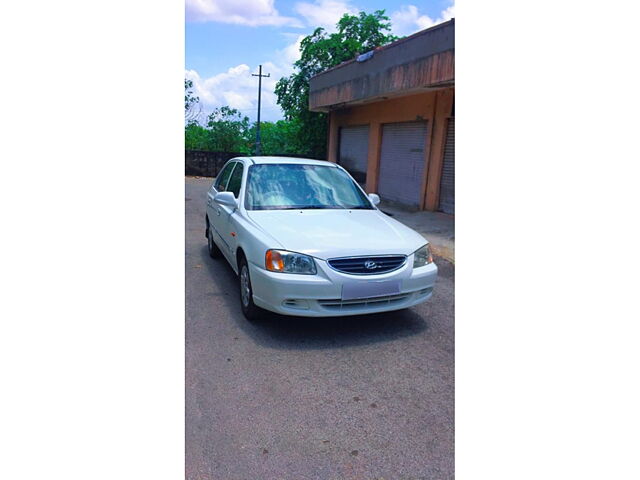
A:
[324,13]
[408,20]
[242,12]
[238,89]
[291,53]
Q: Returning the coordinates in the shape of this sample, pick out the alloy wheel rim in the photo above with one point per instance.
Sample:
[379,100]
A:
[244,286]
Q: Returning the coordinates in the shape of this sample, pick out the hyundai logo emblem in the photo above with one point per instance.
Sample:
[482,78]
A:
[370,264]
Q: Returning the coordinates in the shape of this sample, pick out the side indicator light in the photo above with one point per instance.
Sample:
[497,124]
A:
[273,261]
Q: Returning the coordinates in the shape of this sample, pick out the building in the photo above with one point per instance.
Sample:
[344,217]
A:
[391,118]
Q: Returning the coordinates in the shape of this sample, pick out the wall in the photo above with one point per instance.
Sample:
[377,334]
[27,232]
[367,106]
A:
[434,107]
[206,164]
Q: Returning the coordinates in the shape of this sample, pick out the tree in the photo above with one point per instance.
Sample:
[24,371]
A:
[196,137]
[319,51]
[190,101]
[228,131]
[278,137]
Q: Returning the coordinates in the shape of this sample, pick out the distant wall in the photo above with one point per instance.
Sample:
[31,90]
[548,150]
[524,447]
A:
[206,164]
[203,163]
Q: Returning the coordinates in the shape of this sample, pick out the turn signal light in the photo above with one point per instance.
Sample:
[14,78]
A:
[273,261]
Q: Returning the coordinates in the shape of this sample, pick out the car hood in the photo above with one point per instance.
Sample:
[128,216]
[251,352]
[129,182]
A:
[337,233]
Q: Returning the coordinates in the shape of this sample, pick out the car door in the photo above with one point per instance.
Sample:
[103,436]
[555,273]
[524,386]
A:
[214,211]
[227,214]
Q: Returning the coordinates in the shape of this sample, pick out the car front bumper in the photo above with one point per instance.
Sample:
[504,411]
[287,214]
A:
[320,295]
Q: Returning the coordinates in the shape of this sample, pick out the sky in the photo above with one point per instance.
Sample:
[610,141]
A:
[226,40]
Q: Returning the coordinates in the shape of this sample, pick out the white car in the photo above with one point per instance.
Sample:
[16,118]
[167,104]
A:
[307,241]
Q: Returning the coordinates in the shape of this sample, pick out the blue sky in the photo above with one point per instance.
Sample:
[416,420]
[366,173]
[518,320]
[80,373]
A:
[226,40]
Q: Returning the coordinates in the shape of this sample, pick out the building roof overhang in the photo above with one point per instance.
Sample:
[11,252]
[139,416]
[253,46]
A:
[421,62]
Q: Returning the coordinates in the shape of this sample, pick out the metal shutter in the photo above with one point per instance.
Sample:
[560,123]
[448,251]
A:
[402,162]
[447,181]
[354,147]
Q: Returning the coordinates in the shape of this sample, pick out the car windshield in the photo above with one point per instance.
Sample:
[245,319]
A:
[299,186]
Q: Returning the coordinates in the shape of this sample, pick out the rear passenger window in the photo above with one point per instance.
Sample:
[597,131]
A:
[236,180]
[223,176]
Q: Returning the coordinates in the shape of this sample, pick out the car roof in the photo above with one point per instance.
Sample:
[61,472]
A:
[290,160]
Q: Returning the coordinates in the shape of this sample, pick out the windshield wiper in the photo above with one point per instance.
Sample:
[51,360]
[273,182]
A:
[314,207]
[301,207]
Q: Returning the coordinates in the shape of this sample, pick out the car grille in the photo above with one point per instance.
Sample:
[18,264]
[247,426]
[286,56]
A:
[367,265]
[363,303]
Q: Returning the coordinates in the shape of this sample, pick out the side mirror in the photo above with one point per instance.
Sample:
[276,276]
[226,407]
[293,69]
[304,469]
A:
[226,198]
[375,199]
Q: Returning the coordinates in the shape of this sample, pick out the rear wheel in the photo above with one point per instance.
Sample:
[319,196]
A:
[249,309]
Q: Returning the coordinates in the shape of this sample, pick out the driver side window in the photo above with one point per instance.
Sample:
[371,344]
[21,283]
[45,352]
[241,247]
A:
[223,177]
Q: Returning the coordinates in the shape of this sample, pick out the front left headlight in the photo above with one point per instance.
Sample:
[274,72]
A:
[289,262]
[422,256]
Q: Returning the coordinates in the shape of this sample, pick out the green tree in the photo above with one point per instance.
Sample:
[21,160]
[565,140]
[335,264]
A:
[319,51]
[277,137]
[190,101]
[196,137]
[228,131]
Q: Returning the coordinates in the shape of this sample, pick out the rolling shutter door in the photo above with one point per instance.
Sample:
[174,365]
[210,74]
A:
[402,162]
[354,147]
[447,181]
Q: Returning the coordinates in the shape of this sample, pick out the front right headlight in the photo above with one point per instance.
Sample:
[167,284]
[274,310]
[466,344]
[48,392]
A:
[422,256]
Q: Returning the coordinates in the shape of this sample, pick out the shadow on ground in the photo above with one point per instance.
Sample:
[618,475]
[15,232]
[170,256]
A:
[303,333]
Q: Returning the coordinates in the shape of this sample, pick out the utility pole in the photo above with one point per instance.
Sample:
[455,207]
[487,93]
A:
[259,75]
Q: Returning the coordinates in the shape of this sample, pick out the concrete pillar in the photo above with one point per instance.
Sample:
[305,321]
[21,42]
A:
[444,103]
[373,156]
[332,147]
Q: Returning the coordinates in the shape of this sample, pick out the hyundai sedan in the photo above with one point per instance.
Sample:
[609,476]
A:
[306,240]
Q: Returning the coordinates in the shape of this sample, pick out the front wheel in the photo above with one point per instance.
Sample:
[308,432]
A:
[249,309]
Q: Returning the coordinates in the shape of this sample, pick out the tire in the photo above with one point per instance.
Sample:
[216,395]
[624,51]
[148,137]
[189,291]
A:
[214,251]
[249,309]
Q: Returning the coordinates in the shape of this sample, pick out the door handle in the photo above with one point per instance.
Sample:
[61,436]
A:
[218,210]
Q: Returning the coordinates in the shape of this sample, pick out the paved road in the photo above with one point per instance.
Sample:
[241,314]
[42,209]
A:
[367,397]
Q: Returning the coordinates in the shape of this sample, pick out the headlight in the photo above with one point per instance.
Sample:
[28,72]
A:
[422,256]
[289,262]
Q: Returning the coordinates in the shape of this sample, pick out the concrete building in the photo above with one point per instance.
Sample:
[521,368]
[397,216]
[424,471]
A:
[391,118]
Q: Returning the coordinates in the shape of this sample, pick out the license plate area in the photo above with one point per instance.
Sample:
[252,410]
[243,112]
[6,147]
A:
[370,289]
